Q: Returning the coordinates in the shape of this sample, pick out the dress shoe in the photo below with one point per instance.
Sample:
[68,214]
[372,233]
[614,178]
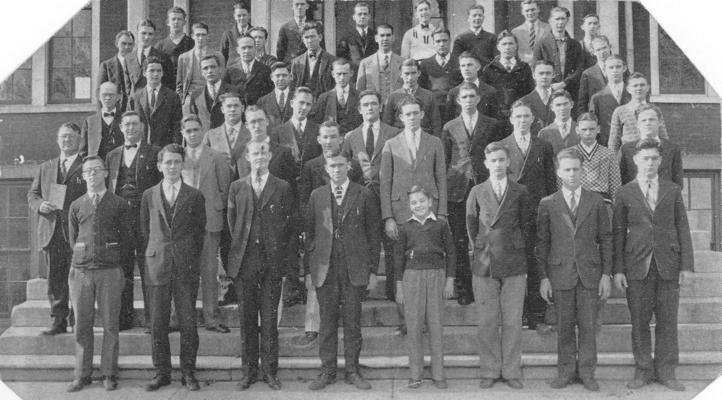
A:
[560,382]
[247,381]
[357,380]
[273,382]
[78,384]
[306,339]
[486,383]
[110,382]
[220,328]
[400,331]
[441,384]
[637,383]
[673,384]
[321,381]
[190,382]
[157,382]
[514,384]
[590,384]
[415,383]
[55,330]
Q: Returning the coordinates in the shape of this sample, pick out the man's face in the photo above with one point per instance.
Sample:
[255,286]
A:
[410,75]
[259,39]
[497,162]
[257,123]
[108,96]
[530,12]
[648,124]
[299,8]
[132,129]
[329,139]
[562,107]
[369,108]
[476,19]
[587,131]
[614,70]
[558,21]
[411,115]
[442,44]
[281,78]
[145,36]
[312,39]
[647,162]
[246,49]
[258,156]
[521,118]
[469,68]
[176,22]
[570,172]
[342,74]
[302,103]
[171,165]
[468,100]
[94,174]
[507,47]
[601,49]
[241,16]
[232,109]
[337,169]
[423,13]
[153,73]
[210,71]
[68,140]
[638,88]
[361,16]
[385,38]
[200,36]
[125,45]
[543,75]
[591,26]
[419,204]
[193,134]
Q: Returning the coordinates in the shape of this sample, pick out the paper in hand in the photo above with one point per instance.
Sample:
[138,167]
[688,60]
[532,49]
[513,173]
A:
[57,195]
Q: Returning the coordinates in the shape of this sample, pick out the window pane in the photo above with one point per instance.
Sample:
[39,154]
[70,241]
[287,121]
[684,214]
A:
[61,53]
[18,232]
[71,58]
[81,23]
[6,90]
[22,86]
[60,87]
[18,201]
[677,74]
[81,57]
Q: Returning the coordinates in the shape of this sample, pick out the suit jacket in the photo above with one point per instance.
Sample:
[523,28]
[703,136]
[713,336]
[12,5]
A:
[355,48]
[229,42]
[553,136]
[111,70]
[290,43]
[355,142]
[543,114]
[399,173]
[186,80]
[440,80]
[591,81]
[172,52]
[521,32]
[217,139]
[640,232]
[303,145]
[323,79]
[356,233]
[488,104]
[282,165]
[535,171]
[162,123]
[210,115]
[276,115]
[254,85]
[168,80]
[368,77]
[546,49]
[572,249]
[431,122]
[500,231]
[326,108]
[267,59]
[172,245]
[603,104]
[510,85]
[214,179]
[276,211]
[314,175]
[482,46]
[92,132]
[146,166]
[40,190]
[670,169]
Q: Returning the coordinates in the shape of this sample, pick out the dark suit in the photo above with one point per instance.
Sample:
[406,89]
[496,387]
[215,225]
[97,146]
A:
[440,80]
[546,49]
[431,123]
[276,115]
[591,81]
[303,145]
[99,138]
[172,52]
[52,230]
[327,107]
[290,43]
[260,256]
[482,46]
[282,165]
[254,85]
[229,42]
[573,250]
[319,80]
[162,123]
[602,104]
[543,114]
[206,108]
[651,248]
[342,244]
[355,48]
[670,169]
[488,104]
[127,81]
[510,85]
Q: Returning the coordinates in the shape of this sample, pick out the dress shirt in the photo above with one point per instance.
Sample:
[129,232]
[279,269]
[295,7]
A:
[67,161]
[232,132]
[258,188]
[523,145]
[375,127]
[470,121]
[617,90]
[344,187]
[97,195]
[150,94]
[476,32]
[362,30]
[568,197]
[123,63]
[430,216]
[496,184]
[313,60]
[278,95]
[213,89]
[384,59]
[643,182]
[342,94]
[108,120]
[442,60]
[544,94]
[171,190]
[412,140]
[247,67]
[564,127]
[129,154]
[508,64]
[299,125]
[141,53]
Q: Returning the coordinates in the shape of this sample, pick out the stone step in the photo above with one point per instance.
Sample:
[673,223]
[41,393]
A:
[701,240]
[384,313]
[707,261]
[610,366]
[377,341]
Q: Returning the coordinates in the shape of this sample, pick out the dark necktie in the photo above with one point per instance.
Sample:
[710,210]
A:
[370,142]
[152,99]
[282,100]
[338,194]
[573,205]
[142,58]
[131,146]
[64,168]
[532,36]
[108,115]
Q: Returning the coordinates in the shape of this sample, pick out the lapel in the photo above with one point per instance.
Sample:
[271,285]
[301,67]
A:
[323,62]
[183,195]
[490,204]
[303,63]
[254,71]
[563,210]
[530,153]
[158,200]
[77,163]
[384,135]
[351,195]
[664,189]
[159,100]
[583,208]
[424,147]
[95,132]
[205,162]
[52,177]
[144,106]
[637,191]
[134,69]
[268,190]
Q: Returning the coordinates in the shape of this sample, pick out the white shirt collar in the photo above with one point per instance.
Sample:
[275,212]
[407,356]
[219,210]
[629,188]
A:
[284,91]
[167,185]
[264,179]
[250,64]
[216,86]
[376,126]
[477,31]
[121,58]
[518,136]
[99,194]
[344,187]
[541,91]
[442,60]
[339,90]
[642,180]
[301,125]
[568,195]
[560,124]
[511,62]
[411,134]
[70,160]
[431,216]
[588,149]
[361,30]
[495,182]
[237,126]
[529,25]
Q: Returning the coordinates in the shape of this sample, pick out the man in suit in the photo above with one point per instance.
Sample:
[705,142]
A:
[653,257]
[172,225]
[260,36]
[131,170]
[250,77]
[590,27]
[431,122]
[144,49]
[277,104]
[122,69]
[99,228]
[465,138]
[188,72]
[205,103]
[499,225]
[208,171]
[358,43]
[242,26]
[260,213]
[593,79]
[530,31]
[670,168]
[470,68]
[563,51]
[290,43]
[440,72]
[574,259]
[531,163]
[176,43]
[229,138]
[561,133]
[539,100]
[56,185]
[380,72]
[603,103]
[158,107]
[413,157]
[299,133]
[312,68]
[339,104]
[479,43]
[343,251]
[101,131]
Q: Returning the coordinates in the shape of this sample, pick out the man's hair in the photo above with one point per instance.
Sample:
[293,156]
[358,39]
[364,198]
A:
[190,118]
[244,36]
[647,144]
[368,92]
[571,153]
[361,4]
[70,125]
[408,100]
[418,189]
[496,146]
[231,95]
[505,34]
[475,7]
[339,62]
[130,113]
[177,10]
[519,103]
[385,26]
[124,33]
[313,25]
[255,108]
[440,31]
[172,148]
[468,86]
[587,116]
[416,7]
[590,15]
[614,57]
[200,25]
[409,62]
[329,124]
[637,75]
[94,157]
[279,65]
[146,22]
[542,62]
[563,10]
[468,54]
[241,6]
[259,29]
[211,57]
[646,107]
[530,2]
[108,83]
[336,153]
[603,39]
[560,93]
[302,90]
[152,60]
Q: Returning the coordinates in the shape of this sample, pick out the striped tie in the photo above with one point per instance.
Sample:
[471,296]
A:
[532,36]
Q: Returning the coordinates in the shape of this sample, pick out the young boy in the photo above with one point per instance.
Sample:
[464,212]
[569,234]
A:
[425,262]
[574,259]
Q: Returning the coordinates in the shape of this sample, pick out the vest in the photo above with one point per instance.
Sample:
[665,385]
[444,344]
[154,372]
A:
[108,139]
[313,81]
[385,84]
[255,237]
[338,259]
[341,113]
[126,185]
[169,210]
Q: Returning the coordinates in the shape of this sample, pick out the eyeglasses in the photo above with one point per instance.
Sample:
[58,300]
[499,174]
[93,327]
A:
[92,171]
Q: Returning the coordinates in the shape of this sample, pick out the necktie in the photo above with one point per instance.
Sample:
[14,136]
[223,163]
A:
[498,192]
[532,36]
[312,56]
[650,196]
[212,91]
[246,69]
[386,62]
[172,196]
[282,100]
[338,194]
[108,115]
[573,204]
[152,98]
[142,57]
[443,62]
[63,167]
[128,85]
[370,142]
[259,182]
[342,99]
[413,146]
[131,146]
[232,137]
[524,145]
[94,198]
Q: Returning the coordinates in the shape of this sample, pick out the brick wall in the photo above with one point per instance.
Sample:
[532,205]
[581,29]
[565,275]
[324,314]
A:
[113,18]
[32,135]
[695,127]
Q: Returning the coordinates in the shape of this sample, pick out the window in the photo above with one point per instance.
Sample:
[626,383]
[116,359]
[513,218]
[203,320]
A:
[18,87]
[677,74]
[70,61]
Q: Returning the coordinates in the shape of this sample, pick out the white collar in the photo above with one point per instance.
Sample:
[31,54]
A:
[344,90]
[588,149]
[530,24]
[472,118]
[69,158]
[279,91]
[476,31]
[441,59]
[298,123]
[237,126]
[149,88]
[643,182]
[496,182]
[561,123]
[343,186]
[541,91]
[249,64]
[99,194]
[167,185]
[121,58]
[376,126]
[518,136]
[264,178]
[568,194]
[431,216]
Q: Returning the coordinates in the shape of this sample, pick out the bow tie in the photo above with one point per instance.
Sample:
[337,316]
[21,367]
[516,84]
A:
[424,26]
[108,114]
[312,56]
[131,146]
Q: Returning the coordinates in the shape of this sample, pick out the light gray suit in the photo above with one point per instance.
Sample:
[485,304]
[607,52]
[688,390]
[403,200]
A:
[370,75]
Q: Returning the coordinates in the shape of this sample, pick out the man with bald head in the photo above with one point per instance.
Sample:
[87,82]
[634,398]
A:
[101,131]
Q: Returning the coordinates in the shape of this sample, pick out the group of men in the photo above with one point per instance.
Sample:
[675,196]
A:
[302,163]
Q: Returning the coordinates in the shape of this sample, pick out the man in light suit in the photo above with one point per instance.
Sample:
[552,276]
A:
[172,226]
[339,104]
[230,138]
[250,77]
[342,225]
[561,133]
[481,44]
[380,72]
[277,104]
[539,100]
[359,42]
[158,107]
[653,256]
[299,133]
[122,69]
[574,259]
[603,103]
[205,102]
[290,44]
[101,131]
[260,212]
[312,68]
[188,72]
[431,122]
[62,173]
[208,171]
[593,78]
[530,31]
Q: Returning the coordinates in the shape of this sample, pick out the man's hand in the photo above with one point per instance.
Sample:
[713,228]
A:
[47,207]
[392,230]
[545,290]
[309,283]
[372,282]
[399,292]
[449,288]
[684,277]
[605,287]
[620,280]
